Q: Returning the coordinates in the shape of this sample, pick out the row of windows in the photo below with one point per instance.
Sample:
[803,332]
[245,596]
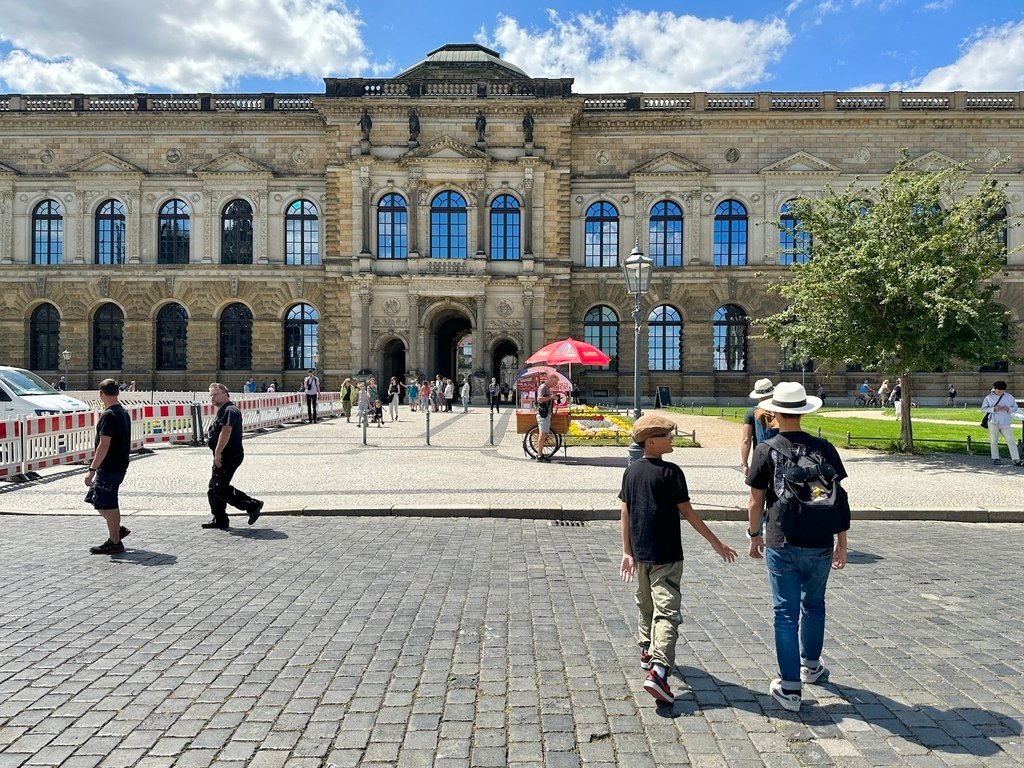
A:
[301,328]
[174,226]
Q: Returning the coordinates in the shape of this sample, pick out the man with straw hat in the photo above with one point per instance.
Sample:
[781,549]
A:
[798,563]
[763,389]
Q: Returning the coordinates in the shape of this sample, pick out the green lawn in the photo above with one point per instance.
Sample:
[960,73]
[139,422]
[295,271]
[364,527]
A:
[884,434]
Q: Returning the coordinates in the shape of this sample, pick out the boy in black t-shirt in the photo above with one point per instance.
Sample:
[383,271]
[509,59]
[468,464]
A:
[108,466]
[654,498]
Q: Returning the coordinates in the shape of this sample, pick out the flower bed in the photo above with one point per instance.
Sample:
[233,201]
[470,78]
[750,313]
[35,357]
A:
[602,425]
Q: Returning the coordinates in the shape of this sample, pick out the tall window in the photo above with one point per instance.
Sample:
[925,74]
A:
[236,233]
[730,339]
[794,246]
[48,233]
[505,228]
[601,236]
[236,338]
[448,236]
[601,328]
[1001,231]
[44,338]
[110,244]
[665,339]
[172,338]
[173,227]
[300,337]
[730,234]
[392,228]
[665,234]
[108,338]
[301,234]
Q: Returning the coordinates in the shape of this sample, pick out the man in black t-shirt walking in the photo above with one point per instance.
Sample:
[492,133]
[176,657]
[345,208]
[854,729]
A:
[798,569]
[654,499]
[225,440]
[108,466]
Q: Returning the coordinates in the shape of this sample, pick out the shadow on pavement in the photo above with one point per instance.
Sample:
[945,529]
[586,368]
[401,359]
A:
[853,557]
[260,534]
[144,557]
[597,461]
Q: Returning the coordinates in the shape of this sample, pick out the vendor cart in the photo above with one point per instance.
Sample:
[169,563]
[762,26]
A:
[526,411]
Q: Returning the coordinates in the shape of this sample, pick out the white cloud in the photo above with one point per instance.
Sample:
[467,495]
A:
[66,46]
[991,60]
[637,51]
[939,5]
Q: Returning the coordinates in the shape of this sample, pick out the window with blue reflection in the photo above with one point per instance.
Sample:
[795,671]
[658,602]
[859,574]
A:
[173,231]
[601,329]
[665,234]
[48,233]
[300,337]
[448,232]
[392,227]
[236,235]
[301,234]
[794,245]
[110,242]
[664,339]
[601,236]
[730,339]
[730,234]
[504,228]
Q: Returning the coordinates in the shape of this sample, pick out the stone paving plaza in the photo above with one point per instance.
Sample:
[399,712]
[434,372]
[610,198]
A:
[450,640]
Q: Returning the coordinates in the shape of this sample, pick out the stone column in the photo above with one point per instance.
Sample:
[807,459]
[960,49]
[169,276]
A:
[413,361]
[527,230]
[365,298]
[414,218]
[480,200]
[478,332]
[528,323]
[364,182]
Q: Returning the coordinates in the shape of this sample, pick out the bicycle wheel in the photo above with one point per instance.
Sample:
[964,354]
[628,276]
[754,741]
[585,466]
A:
[552,443]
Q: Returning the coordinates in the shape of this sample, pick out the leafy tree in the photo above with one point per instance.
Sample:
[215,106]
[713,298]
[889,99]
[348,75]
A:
[899,276]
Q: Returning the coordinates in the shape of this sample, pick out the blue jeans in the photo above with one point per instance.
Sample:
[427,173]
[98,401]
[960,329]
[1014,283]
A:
[798,577]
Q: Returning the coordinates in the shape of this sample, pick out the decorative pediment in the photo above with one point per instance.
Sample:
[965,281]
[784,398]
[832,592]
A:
[6,170]
[104,162]
[445,148]
[931,161]
[802,163]
[233,162]
[668,164]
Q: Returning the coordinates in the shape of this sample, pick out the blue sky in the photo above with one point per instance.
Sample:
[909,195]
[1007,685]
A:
[247,46]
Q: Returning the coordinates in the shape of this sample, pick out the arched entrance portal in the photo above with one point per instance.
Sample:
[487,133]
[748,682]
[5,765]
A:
[453,350]
[392,362]
[505,363]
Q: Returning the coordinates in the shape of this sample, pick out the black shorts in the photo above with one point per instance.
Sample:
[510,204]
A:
[104,486]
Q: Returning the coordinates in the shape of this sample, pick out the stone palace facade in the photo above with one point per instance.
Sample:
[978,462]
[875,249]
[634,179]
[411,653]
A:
[452,220]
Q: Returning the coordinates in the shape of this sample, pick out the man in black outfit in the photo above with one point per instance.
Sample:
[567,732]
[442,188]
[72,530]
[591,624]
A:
[225,440]
[108,466]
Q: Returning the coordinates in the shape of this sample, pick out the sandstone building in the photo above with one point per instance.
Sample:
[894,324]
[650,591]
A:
[451,219]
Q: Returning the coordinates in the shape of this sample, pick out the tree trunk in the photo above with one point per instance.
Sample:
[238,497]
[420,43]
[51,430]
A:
[907,400]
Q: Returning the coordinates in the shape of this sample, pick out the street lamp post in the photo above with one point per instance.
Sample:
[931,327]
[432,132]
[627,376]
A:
[637,270]
[66,354]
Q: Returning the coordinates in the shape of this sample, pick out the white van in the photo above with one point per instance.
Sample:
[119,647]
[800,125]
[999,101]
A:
[22,393]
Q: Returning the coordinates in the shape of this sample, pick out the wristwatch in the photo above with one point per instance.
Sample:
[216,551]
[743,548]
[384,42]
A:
[755,535]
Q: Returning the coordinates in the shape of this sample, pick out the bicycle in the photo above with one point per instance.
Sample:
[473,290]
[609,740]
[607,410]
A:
[868,400]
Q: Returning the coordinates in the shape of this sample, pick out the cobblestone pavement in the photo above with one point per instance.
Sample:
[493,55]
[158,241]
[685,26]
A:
[310,641]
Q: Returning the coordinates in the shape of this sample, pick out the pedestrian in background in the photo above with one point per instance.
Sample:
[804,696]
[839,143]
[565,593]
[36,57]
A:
[951,396]
[394,395]
[311,386]
[654,499]
[449,395]
[348,393]
[883,393]
[412,394]
[494,395]
[999,405]
[464,394]
[753,431]
[225,440]
[109,465]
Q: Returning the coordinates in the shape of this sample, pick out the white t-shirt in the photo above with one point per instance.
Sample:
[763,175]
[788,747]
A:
[312,385]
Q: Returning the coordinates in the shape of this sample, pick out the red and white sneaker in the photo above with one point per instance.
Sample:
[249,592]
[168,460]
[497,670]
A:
[646,660]
[657,686]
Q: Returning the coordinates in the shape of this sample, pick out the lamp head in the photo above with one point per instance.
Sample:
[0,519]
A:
[637,270]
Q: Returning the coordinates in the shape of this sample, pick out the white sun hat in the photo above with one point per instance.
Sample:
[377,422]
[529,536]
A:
[790,397]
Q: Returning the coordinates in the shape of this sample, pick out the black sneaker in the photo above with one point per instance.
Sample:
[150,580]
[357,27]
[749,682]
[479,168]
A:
[215,524]
[107,548]
[254,511]
[124,532]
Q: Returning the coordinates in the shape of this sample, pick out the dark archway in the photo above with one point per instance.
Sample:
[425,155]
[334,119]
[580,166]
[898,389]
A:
[450,332]
[392,363]
[505,363]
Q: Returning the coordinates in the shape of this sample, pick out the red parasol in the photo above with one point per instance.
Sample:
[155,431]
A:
[569,351]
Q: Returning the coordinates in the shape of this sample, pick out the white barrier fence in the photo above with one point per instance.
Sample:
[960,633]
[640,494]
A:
[38,442]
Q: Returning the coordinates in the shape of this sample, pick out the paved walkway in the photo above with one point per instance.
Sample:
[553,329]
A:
[324,468]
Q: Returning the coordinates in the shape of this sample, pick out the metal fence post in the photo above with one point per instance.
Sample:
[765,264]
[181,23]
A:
[428,426]
[969,445]
[366,423]
[198,436]
[492,427]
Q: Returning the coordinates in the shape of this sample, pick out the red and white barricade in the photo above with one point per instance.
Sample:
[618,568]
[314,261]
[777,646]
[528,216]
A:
[165,423]
[10,448]
[64,439]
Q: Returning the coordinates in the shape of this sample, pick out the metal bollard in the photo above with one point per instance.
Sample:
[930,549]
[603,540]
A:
[366,423]
[969,444]
[428,426]
[198,436]
[492,427]
[847,439]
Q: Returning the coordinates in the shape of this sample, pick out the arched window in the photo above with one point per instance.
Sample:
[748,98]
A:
[173,227]
[392,227]
[601,236]
[601,328]
[665,234]
[1001,231]
[108,338]
[505,228]
[110,242]
[448,234]
[236,338]
[301,234]
[730,339]
[236,233]
[730,234]
[48,233]
[794,246]
[44,338]
[300,337]
[172,338]
[665,339]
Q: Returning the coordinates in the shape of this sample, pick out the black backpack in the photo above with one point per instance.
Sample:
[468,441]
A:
[812,504]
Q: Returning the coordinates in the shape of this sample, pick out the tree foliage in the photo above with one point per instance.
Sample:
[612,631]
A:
[899,276]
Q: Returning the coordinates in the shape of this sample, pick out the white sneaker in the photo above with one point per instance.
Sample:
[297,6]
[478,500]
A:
[790,701]
[813,674]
